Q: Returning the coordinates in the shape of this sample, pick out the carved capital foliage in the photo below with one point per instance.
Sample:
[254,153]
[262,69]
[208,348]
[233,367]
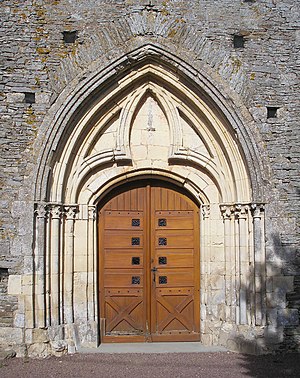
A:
[257,209]
[227,211]
[70,211]
[41,210]
[56,211]
[205,211]
[92,212]
[241,211]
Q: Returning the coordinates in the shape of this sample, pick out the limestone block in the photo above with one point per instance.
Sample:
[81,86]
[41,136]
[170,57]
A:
[29,318]
[71,347]
[42,97]
[80,263]
[27,284]
[217,268]
[242,345]
[19,320]
[218,311]
[56,333]
[273,334]
[139,153]
[216,281]
[106,141]
[158,153]
[40,335]
[88,333]
[40,350]
[59,346]
[217,296]
[206,339]
[288,317]
[15,97]
[284,283]
[14,284]
[277,298]
[269,284]
[11,336]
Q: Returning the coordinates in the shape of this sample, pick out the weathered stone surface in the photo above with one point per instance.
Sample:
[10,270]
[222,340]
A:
[7,354]
[264,74]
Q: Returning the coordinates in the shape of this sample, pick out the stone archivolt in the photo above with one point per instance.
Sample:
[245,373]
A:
[151,122]
[186,131]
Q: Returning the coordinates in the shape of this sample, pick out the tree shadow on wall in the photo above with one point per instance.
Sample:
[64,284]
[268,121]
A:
[280,337]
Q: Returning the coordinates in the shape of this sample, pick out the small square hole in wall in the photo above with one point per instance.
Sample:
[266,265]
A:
[272,111]
[3,272]
[238,41]
[3,275]
[69,36]
[29,98]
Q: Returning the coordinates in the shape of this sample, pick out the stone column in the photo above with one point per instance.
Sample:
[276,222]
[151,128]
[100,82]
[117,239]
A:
[227,211]
[39,266]
[70,213]
[243,261]
[92,263]
[259,262]
[56,211]
[205,263]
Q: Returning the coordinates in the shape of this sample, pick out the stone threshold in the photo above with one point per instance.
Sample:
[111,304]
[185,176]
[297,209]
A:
[178,347]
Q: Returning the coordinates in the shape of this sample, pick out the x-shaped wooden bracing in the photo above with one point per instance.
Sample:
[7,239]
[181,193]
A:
[122,313]
[175,312]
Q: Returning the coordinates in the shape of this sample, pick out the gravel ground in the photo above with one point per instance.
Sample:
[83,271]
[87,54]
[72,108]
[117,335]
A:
[173,365]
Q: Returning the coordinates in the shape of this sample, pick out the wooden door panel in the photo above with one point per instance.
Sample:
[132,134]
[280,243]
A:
[149,273]
[124,258]
[174,258]
[175,277]
[175,306]
[117,220]
[124,312]
[124,239]
[123,278]
[122,294]
[179,221]
[175,311]
[174,239]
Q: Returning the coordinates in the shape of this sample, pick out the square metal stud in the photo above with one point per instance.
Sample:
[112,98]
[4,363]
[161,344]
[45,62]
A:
[135,241]
[162,222]
[135,261]
[162,280]
[135,222]
[135,280]
[162,260]
[162,241]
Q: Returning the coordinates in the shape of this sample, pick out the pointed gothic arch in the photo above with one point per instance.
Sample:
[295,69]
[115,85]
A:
[154,118]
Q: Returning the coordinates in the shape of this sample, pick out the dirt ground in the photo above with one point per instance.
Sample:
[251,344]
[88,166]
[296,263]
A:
[175,365]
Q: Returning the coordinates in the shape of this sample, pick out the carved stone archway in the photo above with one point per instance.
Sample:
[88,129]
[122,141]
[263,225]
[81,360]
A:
[149,120]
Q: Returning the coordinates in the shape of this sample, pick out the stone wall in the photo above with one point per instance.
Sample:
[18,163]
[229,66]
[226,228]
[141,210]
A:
[246,49]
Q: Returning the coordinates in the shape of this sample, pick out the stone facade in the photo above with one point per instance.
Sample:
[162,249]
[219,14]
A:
[84,86]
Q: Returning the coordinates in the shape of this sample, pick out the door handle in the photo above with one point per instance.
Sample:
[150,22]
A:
[154,270]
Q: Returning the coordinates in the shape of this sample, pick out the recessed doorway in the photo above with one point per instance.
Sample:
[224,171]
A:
[149,267]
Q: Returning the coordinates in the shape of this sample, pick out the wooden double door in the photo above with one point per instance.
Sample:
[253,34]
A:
[149,265]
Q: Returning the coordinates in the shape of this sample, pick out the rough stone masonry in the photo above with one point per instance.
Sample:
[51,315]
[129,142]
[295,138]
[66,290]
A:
[58,58]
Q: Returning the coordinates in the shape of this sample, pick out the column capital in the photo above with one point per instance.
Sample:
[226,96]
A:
[227,210]
[41,210]
[241,210]
[92,212]
[205,211]
[56,210]
[257,209]
[70,211]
